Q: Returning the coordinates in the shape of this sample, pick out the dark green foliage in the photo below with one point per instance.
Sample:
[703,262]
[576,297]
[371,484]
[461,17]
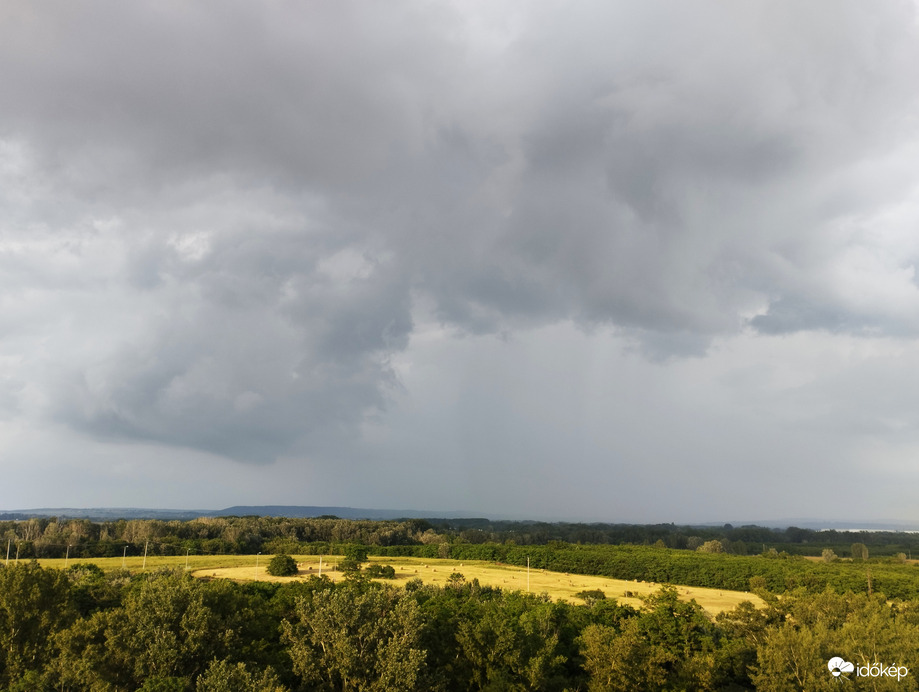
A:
[380,571]
[92,589]
[808,629]
[621,551]
[357,553]
[670,644]
[166,631]
[34,602]
[85,629]
[48,537]
[591,595]
[715,570]
[282,566]
[356,638]
[166,684]
[223,676]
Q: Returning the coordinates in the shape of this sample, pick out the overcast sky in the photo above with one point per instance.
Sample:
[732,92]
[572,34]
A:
[632,261]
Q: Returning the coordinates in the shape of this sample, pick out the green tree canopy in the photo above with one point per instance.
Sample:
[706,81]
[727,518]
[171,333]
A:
[282,566]
[356,637]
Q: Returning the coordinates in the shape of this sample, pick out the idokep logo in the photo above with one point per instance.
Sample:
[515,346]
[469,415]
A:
[839,665]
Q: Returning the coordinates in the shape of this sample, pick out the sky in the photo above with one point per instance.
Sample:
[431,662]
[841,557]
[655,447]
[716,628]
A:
[605,261]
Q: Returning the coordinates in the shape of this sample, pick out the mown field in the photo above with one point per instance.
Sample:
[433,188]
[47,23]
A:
[431,571]
[137,563]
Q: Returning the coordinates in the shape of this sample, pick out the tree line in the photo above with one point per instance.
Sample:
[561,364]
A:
[50,536]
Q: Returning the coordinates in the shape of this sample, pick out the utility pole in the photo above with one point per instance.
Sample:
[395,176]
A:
[320,565]
[186,559]
[8,542]
[124,556]
[146,545]
[67,557]
[256,564]
[528,575]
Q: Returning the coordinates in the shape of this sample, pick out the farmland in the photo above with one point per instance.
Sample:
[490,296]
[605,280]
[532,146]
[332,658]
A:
[83,608]
[433,571]
[509,577]
[240,542]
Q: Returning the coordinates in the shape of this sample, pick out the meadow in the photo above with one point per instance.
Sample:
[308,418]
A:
[434,571]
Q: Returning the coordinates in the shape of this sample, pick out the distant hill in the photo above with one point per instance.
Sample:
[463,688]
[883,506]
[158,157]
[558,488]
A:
[304,512]
[340,512]
[825,524]
[105,513]
[115,513]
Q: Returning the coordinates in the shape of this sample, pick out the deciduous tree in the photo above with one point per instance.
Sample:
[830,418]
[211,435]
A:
[356,637]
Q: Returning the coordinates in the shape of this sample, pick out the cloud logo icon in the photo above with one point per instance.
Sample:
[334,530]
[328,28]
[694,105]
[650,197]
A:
[838,665]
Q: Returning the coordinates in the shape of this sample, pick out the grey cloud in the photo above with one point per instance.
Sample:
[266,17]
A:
[788,315]
[639,173]
[247,361]
[296,95]
[243,202]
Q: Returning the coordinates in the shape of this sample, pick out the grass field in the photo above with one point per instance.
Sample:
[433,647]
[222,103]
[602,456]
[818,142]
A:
[555,584]
[430,571]
[137,563]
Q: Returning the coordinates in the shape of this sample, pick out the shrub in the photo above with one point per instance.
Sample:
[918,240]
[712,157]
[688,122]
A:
[282,566]
[711,547]
[456,580]
[380,571]
[354,556]
[592,595]
[357,553]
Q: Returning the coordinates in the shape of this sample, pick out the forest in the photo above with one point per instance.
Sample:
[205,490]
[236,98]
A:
[49,536]
[82,628]
[85,629]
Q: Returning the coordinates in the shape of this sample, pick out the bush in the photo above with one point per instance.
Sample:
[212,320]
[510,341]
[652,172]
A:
[380,571]
[354,556]
[592,595]
[282,566]
[349,565]
[711,547]
[357,553]
[456,580]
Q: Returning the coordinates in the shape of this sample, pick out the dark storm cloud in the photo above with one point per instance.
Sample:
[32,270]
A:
[645,178]
[247,350]
[166,90]
[786,316]
[218,217]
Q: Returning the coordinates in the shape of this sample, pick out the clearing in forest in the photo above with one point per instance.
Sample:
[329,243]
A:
[510,577]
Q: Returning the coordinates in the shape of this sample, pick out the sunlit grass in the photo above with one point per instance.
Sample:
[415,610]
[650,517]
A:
[430,571]
[137,563]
